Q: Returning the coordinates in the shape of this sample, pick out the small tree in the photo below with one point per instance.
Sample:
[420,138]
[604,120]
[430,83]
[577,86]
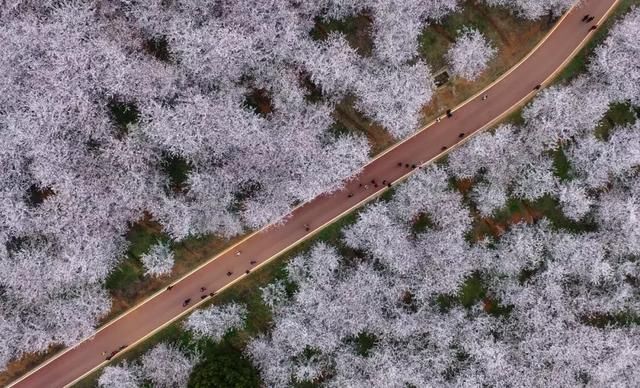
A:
[215,321]
[121,376]
[166,366]
[470,54]
[158,260]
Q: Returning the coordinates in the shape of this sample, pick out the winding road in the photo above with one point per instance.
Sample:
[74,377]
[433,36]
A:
[506,94]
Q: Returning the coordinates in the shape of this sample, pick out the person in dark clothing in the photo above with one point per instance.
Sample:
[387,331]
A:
[461,135]
[229,273]
[449,114]
[186,302]
[585,17]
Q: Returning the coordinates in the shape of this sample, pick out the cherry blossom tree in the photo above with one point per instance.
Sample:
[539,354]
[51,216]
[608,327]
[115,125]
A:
[575,200]
[469,56]
[534,9]
[613,61]
[124,375]
[167,366]
[215,321]
[158,260]
[393,96]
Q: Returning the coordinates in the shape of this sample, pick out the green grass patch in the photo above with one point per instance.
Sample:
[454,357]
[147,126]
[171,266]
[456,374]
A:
[363,343]
[579,63]
[619,114]
[621,319]
[561,165]
[473,291]
[550,207]
[158,47]
[140,237]
[421,223]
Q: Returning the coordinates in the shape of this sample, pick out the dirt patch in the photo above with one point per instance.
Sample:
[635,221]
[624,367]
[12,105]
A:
[496,227]
[350,118]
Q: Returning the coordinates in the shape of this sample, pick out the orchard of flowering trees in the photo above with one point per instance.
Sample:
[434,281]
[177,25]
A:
[115,111]
[414,296]
[111,111]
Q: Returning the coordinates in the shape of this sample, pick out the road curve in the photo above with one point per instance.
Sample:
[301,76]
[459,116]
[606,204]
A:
[509,92]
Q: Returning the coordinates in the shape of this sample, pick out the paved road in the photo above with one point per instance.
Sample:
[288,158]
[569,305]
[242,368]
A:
[476,114]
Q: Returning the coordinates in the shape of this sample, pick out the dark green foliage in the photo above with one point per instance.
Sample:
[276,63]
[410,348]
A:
[561,165]
[550,207]
[246,191]
[37,195]
[421,223]
[622,319]
[177,169]
[356,29]
[314,93]
[473,291]
[140,237]
[259,102]
[618,114]
[364,342]
[223,366]
[122,115]
[158,47]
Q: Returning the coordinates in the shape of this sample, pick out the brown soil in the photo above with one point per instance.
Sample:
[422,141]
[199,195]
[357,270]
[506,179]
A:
[490,226]
[348,116]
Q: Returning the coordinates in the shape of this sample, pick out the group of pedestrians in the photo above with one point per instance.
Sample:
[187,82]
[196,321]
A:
[203,289]
[588,19]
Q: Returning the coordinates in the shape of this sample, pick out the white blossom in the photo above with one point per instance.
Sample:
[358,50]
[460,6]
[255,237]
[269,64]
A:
[214,322]
[158,260]
[469,56]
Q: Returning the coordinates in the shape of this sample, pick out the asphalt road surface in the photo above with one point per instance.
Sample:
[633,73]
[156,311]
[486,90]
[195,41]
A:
[393,165]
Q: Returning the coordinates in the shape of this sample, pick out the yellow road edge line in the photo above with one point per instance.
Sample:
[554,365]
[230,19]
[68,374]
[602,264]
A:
[365,200]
